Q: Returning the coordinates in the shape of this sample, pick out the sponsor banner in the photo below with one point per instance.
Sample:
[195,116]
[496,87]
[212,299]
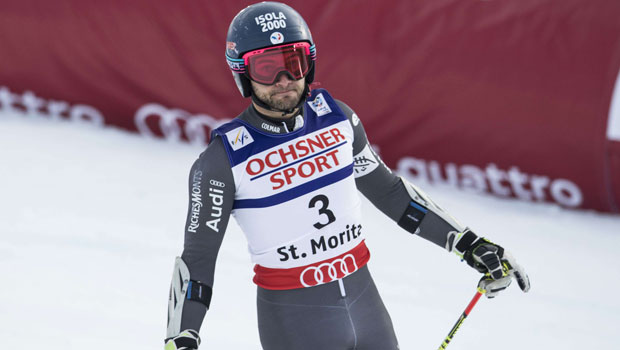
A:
[613,149]
[511,182]
[174,124]
[482,84]
[151,119]
[613,124]
[29,104]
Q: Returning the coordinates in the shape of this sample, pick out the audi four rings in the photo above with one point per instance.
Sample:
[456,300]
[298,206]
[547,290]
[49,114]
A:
[332,271]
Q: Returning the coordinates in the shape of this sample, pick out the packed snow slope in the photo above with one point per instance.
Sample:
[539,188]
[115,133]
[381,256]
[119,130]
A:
[91,220]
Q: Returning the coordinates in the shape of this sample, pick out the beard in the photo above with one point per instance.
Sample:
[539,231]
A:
[282,103]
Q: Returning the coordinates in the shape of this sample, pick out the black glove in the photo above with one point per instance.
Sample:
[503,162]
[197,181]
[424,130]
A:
[186,340]
[497,265]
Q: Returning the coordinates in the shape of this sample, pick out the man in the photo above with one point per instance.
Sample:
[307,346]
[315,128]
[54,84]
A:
[290,169]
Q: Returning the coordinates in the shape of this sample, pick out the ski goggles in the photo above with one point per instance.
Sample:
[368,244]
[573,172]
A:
[265,65]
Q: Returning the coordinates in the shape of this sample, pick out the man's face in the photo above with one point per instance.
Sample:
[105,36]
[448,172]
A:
[283,95]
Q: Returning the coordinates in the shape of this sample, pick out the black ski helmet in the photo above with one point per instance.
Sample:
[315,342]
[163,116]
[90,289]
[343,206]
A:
[262,25]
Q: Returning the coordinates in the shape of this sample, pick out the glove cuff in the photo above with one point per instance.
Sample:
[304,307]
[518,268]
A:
[465,241]
[187,339]
[462,243]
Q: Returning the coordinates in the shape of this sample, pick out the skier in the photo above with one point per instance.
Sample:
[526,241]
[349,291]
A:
[289,169]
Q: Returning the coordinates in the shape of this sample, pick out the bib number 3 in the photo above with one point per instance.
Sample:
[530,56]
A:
[322,210]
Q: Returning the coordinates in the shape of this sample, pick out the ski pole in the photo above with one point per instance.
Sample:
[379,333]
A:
[458,323]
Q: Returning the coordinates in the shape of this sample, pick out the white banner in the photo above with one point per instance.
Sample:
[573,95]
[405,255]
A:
[613,123]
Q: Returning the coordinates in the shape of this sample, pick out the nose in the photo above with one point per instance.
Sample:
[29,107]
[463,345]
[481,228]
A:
[284,78]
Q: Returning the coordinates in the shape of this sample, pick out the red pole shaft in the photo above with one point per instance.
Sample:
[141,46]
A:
[473,302]
[458,323]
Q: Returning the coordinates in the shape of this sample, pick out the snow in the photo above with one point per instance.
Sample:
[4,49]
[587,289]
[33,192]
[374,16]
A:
[92,218]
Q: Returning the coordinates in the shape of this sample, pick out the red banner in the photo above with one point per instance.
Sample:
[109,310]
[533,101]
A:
[507,97]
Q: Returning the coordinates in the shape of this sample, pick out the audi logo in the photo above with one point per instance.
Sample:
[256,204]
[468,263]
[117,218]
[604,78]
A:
[217,183]
[332,271]
[153,120]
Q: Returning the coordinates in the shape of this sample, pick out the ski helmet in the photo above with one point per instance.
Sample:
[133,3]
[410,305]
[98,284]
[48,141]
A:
[264,25]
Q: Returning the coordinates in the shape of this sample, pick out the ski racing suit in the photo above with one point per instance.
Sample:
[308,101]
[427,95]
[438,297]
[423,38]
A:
[294,191]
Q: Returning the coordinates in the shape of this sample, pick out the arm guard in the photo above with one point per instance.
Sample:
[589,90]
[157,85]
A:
[183,288]
[427,219]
